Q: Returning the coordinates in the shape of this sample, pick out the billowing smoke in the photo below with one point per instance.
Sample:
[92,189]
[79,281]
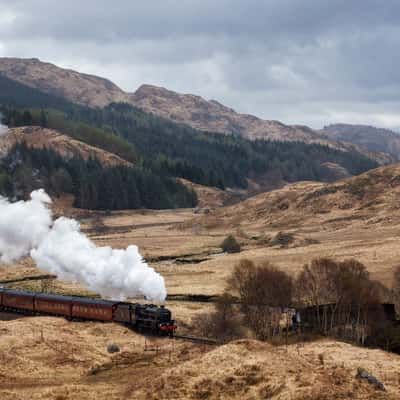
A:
[23,225]
[62,249]
[69,254]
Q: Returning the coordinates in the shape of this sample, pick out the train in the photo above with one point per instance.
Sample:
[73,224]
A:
[142,317]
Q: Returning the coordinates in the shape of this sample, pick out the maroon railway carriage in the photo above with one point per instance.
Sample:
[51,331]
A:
[102,310]
[17,300]
[53,304]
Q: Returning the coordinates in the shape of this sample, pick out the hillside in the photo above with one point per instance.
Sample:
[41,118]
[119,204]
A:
[35,157]
[167,148]
[188,109]
[371,138]
[39,138]
[54,358]
[215,117]
[370,198]
[66,146]
[357,217]
[77,87]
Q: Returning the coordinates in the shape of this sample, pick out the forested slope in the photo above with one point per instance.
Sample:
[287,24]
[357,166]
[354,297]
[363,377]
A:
[94,185]
[165,149]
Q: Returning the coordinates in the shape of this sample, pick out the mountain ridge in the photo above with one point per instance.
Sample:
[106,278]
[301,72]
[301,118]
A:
[370,137]
[84,89]
[188,109]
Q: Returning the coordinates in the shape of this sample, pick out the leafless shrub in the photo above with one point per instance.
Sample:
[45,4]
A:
[223,323]
[230,245]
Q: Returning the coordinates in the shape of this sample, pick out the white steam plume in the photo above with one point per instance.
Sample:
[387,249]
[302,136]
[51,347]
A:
[117,274]
[62,249]
[23,225]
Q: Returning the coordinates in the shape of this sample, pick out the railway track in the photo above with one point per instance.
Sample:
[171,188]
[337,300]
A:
[194,339]
[28,278]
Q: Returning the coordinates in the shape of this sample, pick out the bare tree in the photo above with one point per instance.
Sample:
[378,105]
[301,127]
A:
[263,291]
[345,300]
[317,285]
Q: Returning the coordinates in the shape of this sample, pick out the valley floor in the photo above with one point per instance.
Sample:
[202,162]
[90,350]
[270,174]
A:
[45,358]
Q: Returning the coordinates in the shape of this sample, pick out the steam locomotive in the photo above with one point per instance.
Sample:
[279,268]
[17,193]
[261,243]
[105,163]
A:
[144,317]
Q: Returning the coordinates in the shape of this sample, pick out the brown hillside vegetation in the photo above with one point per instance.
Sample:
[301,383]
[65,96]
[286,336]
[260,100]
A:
[66,146]
[357,217]
[50,358]
[370,199]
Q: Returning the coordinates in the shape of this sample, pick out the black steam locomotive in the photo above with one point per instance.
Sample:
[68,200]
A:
[144,317]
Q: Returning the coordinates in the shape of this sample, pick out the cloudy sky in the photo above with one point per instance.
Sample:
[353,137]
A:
[310,62]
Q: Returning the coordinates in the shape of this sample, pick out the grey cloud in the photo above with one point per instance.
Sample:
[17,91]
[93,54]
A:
[100,19]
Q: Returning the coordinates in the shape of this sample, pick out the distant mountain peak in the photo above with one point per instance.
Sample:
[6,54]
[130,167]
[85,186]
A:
[213,116]
[79,88]
[370,137]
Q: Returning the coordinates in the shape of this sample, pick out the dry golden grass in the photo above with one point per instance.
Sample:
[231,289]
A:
[252,370]
[352,218]
[50,358]
[357,218]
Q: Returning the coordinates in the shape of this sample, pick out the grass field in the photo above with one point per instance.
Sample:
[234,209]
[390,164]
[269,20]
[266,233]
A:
[51,358]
